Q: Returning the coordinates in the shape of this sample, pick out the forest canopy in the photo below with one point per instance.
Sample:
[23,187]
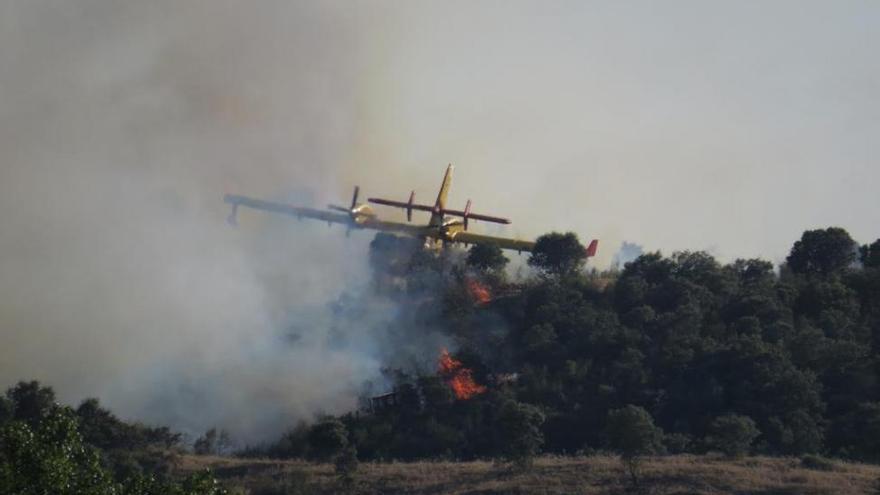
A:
[674,354]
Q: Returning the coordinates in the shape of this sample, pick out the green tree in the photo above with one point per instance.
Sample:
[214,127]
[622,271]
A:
[632,434]
[7,410]
[732,434]
[327,439]
[519,432]
[869,255]
[213,442]
[50,457]
[293,443]
[31,401]
[486,257]
[822,252]
[856,434]
[558,254]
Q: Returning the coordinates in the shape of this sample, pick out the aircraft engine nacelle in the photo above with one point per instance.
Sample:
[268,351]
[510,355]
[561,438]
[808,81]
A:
[361,213]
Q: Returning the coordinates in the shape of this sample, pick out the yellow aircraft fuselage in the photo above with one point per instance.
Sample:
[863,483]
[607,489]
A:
[439,231]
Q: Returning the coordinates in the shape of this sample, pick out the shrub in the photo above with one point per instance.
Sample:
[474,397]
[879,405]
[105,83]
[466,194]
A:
[632,434]
[732,434]
[519,429]
[327,438]
[817,463]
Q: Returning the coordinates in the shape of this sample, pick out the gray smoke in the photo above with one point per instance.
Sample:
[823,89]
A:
[121,126]
[627,252]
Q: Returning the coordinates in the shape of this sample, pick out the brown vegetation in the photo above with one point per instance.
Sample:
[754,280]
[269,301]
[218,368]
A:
[684,474]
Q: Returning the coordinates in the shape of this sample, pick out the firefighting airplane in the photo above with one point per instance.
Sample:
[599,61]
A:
[439,231]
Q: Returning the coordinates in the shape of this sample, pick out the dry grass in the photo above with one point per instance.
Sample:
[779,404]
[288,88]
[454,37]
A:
[550,475]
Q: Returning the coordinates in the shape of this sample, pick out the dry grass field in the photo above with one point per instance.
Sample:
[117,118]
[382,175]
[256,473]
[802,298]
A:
[680,475]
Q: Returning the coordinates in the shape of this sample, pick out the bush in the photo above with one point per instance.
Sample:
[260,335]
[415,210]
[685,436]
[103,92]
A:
[677,443]
[732,434]
[519,429]
[45,453]
[632,434]
[50,457]
[347,465]
[327,438]
[817,463]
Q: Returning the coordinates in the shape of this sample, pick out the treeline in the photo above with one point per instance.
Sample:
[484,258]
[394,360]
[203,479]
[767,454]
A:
[47,448]
[688,354]
[667,355]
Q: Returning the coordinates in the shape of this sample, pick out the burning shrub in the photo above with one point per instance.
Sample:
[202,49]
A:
[479,292]
[458,377]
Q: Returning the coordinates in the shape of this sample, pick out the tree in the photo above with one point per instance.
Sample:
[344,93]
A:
[732,434]
[49,456]
[632,434]
[869,255]
[519,432]
[31,401]
[486,257]
[213,442]
[822,252]
[293,443]
[327,438]
[558,254]
[7,410]
[753,271]
[857,433]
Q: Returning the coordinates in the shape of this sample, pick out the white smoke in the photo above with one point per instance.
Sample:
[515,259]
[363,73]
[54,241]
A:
[121,126]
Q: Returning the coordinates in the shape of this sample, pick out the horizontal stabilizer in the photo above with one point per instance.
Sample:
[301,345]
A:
[432,209]
[477,216]
[400,204]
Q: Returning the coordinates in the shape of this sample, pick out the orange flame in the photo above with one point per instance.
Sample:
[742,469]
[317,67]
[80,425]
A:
[458,377]
[478,291]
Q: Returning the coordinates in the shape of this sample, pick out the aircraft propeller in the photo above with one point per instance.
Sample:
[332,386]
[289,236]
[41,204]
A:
[350,210]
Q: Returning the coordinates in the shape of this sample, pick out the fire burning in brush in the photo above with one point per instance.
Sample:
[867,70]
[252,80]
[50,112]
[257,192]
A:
[458,377]
[479,292]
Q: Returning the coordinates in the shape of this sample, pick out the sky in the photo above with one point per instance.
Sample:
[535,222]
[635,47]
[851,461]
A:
[730,127]
[726,126]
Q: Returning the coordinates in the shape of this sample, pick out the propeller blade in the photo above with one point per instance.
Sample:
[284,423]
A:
[354,198]
[339,208]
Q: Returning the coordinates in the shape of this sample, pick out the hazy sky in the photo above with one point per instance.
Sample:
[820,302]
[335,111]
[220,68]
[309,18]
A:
[731,126]
[726,126]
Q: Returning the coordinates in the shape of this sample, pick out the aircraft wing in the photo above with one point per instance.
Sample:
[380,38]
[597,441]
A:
[296,211]
[512,244]
[502,242]
[326,216]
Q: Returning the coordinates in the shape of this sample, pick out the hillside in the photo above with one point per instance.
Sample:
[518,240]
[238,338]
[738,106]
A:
[683,474]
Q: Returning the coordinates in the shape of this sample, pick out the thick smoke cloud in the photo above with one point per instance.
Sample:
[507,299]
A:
[121,125]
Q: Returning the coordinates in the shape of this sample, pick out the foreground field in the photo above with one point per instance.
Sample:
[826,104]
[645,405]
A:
[550,475]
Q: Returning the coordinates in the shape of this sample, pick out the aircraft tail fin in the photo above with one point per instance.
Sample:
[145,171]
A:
[444,188]
[440,204]
[592,248]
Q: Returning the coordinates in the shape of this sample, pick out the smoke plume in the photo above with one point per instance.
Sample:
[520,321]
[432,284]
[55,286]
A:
[122,126]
